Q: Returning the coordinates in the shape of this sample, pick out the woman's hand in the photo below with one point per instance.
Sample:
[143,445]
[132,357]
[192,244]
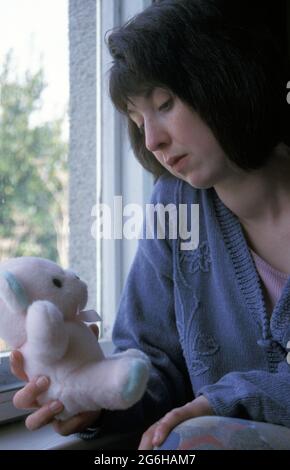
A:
[77,423]
[157,433]
[26,398]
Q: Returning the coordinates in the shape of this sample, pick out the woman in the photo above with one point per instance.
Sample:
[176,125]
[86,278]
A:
[203,86]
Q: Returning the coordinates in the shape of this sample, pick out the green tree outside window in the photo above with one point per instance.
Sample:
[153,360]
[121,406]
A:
[33,172]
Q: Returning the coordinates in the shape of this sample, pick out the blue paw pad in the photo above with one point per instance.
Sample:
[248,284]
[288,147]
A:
[137,380]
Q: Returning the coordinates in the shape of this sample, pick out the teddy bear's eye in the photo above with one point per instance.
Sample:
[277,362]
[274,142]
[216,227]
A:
[57,282]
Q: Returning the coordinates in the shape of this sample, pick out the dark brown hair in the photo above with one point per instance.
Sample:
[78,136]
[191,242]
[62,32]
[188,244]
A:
[224,58]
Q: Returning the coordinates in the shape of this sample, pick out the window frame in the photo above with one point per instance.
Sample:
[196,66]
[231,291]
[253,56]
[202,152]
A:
[129,180]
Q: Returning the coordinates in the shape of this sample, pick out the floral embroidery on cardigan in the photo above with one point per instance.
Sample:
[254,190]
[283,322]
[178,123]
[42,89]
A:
[196,260]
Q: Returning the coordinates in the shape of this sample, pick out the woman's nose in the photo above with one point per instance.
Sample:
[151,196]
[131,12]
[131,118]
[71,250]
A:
[156,136]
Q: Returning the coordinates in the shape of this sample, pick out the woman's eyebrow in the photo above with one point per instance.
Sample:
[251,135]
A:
[147,95]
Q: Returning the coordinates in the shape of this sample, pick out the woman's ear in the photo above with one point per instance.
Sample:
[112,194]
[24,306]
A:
[12,292]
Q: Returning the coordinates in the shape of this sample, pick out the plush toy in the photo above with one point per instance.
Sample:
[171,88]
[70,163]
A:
[41,314]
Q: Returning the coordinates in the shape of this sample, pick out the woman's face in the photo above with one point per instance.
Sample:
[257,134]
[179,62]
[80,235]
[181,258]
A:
[179,139]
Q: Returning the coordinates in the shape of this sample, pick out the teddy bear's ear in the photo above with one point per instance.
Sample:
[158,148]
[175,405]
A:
[12,292]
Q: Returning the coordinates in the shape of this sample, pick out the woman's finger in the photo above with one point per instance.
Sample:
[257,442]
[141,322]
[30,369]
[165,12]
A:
[169,422]
[16,365]
[43,415]
[146,442]
[158,432]
[27,396]
[197,407]
[76,424]
[65,428]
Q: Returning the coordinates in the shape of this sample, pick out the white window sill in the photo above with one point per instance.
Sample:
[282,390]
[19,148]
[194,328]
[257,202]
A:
[15,436]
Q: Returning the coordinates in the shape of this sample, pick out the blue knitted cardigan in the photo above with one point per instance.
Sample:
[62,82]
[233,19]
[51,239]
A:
[200,316]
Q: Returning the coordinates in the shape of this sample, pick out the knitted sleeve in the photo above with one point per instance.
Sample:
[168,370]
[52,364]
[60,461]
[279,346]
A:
[146,321]
[257,395]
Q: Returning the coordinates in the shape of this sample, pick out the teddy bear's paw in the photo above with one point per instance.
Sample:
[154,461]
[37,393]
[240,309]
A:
[46,333]
[135,385]
[42,316]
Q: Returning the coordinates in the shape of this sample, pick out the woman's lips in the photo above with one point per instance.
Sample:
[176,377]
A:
[177,163]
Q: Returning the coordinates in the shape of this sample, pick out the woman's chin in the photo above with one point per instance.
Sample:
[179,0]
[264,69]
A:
[199,182]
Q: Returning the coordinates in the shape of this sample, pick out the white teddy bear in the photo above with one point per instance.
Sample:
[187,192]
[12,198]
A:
[41,314]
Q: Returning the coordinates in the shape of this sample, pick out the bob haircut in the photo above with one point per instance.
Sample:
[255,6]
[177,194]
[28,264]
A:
[225,59]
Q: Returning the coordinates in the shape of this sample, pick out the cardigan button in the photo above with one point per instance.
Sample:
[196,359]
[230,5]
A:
[286,337]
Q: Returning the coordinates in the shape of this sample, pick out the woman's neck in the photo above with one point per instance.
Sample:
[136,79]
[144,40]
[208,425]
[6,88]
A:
[261,195]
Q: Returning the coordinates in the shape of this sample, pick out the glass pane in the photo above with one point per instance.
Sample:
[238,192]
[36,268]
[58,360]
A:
[34,84]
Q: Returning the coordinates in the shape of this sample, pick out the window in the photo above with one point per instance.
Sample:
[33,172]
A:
[33,142]
[118,171]
[100,163]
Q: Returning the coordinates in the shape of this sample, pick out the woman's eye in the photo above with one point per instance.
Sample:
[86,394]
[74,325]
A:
[166,106]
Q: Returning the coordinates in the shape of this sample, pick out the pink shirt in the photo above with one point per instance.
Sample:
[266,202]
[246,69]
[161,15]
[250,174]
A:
[273,281]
